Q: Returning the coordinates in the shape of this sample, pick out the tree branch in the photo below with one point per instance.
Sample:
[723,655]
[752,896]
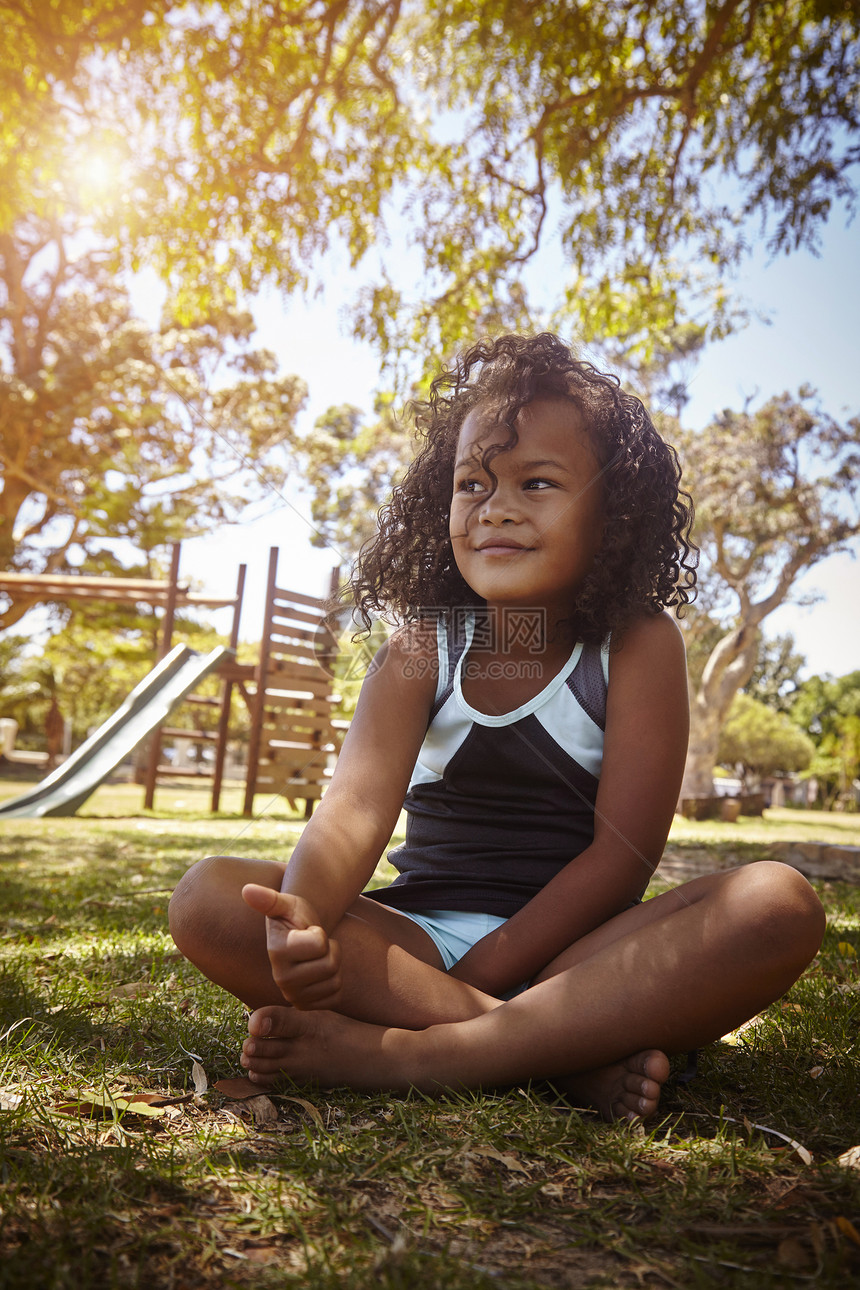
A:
[686,90]
[38,485]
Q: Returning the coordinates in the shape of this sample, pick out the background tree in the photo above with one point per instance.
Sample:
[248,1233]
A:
[245,142]
[829,708]
[16,690]
[109,429]
[87,670]
[350,466]
[776,492]
[760,742]
[775,679]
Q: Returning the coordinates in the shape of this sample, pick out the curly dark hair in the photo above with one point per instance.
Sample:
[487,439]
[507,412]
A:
[646,560]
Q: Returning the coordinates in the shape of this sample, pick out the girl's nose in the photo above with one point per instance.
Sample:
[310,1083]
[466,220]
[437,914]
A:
[499,507]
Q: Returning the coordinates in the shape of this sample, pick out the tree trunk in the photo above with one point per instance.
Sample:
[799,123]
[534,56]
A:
[729,668]
[705,726]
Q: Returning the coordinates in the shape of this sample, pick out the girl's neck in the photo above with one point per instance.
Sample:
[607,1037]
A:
[512,658]
[520,631]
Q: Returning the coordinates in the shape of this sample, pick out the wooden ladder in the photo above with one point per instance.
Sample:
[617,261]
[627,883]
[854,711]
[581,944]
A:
[295,736]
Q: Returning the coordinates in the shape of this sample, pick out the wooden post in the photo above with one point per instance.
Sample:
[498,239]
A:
[164,650]
[226,697]
[259,707]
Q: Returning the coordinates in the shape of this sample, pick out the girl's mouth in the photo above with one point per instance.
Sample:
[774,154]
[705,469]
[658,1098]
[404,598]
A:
[500,547]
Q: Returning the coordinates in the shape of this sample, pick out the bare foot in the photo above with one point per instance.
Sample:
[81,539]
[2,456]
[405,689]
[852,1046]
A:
[626,1090]
[321,1047]
[329,1049]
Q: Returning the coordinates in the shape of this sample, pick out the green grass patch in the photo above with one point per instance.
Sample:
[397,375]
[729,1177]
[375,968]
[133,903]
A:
[780,824]
[336,1189]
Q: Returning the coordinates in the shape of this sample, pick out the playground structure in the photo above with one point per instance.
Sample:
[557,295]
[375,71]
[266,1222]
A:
[69,786]
[294,734]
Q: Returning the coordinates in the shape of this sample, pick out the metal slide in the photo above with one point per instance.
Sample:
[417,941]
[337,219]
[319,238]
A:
[149,703]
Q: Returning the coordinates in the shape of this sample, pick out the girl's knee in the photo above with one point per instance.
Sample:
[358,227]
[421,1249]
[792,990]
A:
[190,905]
[785,907]
[208,899]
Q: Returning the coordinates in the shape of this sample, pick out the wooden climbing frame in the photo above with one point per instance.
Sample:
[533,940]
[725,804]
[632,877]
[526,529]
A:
[295,735]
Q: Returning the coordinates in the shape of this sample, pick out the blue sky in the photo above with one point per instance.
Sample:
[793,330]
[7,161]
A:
[810,336]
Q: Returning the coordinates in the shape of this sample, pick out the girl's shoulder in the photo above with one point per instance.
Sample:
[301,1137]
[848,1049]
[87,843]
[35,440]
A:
[648,640]
[412,652]
[418,637]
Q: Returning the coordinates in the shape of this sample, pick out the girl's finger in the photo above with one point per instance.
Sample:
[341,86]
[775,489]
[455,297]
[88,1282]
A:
[274,904]
[309,945]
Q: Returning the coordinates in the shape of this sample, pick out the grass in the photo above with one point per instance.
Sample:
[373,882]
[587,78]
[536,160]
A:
[335,1189]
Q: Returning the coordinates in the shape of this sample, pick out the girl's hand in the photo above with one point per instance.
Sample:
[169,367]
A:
[305,962]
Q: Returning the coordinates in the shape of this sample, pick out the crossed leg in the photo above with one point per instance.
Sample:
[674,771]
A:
[672,974]
[392,970]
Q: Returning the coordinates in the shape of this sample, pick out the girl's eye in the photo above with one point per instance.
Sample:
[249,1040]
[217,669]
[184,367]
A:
[469,486]
[535,484]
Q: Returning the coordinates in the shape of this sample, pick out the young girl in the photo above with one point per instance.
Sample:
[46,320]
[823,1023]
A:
[531,712]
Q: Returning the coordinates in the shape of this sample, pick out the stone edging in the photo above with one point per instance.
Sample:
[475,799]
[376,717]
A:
[820,859]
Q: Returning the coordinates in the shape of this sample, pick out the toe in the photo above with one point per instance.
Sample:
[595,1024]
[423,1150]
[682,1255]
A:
[655,1067]
[273,1048]
[272,1022]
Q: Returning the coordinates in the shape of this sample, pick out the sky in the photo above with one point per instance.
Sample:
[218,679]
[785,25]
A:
[808,335]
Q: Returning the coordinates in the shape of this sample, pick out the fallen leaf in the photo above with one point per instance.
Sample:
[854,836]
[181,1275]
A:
[198,1074]
[847,950]
[263,1253]
[10,1101]
[815,1072]
[505,1158]
[263,1109]
[106,1106]
[238,1089]
[806,1156]
[160,1099]
[850,1159]
[138,1107]
[848,1229]
[310,1108]
[132,990]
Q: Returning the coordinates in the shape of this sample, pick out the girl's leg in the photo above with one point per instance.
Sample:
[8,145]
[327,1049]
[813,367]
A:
[392,970]
[671,976]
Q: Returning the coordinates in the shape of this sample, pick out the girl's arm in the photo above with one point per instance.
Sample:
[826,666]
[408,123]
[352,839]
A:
[647,726]
[341,844]
[344,838]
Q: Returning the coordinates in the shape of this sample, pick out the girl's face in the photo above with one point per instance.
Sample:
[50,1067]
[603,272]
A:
[530,539]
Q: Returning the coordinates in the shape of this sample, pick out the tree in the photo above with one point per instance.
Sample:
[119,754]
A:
[350,468]
[829,708]
[86,670]
[16,690]
[109,429]
[775,679]
[762,742]
[776,492]
[246,141]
